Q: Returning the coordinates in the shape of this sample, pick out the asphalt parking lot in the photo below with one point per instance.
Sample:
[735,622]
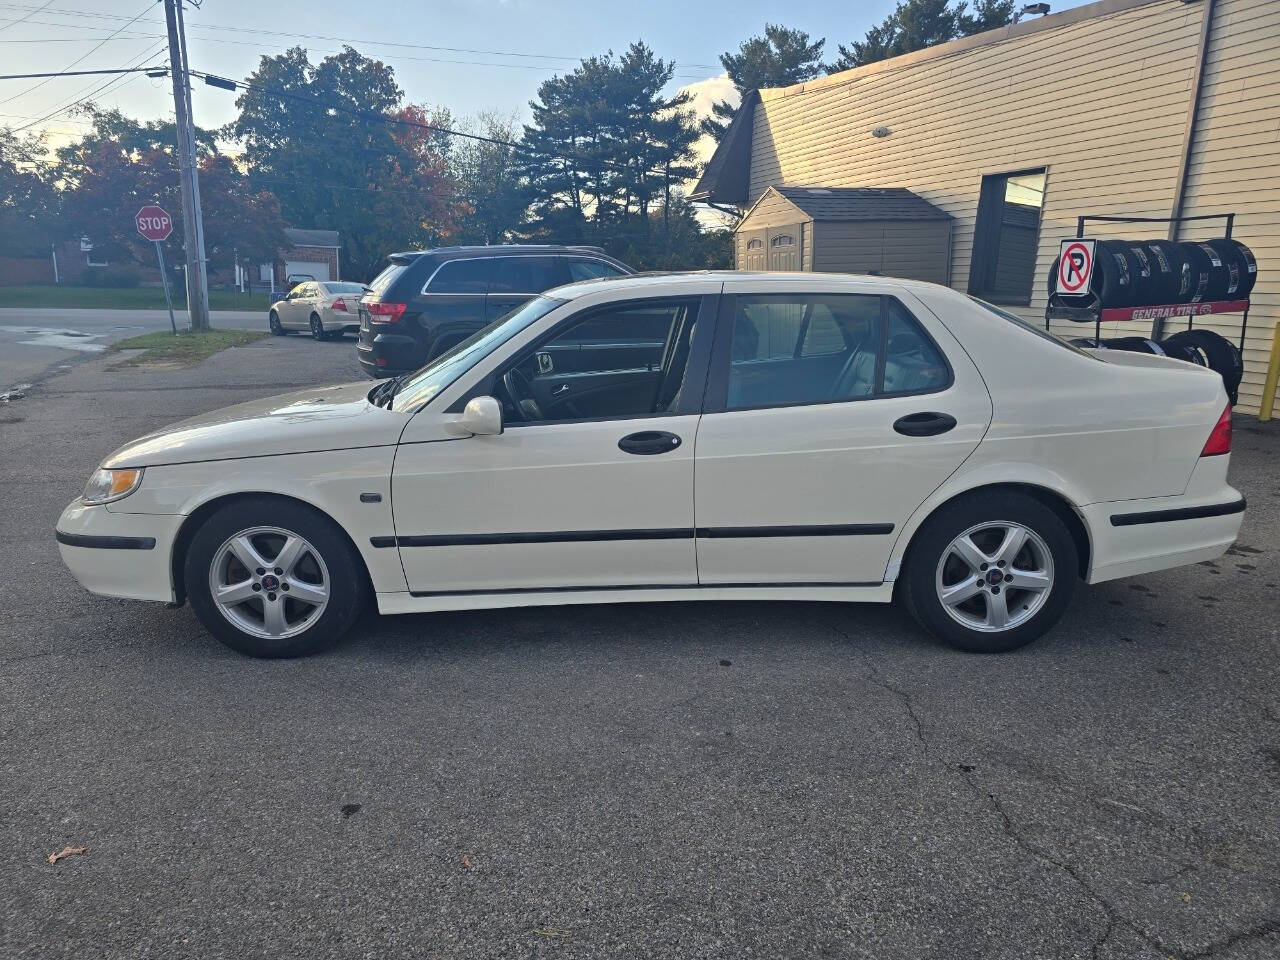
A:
[680,780]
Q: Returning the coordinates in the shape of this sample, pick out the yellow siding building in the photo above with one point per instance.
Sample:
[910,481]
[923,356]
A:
[1124,107]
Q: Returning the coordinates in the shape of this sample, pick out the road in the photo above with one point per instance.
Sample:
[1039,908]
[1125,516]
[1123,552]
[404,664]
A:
[710,780]
[35,341]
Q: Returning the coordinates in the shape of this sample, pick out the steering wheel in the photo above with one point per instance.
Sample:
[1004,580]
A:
[521,393]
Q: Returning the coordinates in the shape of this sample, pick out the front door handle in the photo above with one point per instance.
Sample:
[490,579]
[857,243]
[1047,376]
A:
[646,443]
[928,424]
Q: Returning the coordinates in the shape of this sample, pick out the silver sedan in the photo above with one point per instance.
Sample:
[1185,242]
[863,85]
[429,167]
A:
[327,308]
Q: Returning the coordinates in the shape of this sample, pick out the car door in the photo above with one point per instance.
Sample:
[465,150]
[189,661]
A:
[830,418]
[561,500]
[298,313]
[453,302]
[517,280]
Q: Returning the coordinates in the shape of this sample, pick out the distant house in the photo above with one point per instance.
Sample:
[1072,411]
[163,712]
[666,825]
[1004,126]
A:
[312,253]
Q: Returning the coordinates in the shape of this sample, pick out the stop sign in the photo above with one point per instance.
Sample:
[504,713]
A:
[154,223]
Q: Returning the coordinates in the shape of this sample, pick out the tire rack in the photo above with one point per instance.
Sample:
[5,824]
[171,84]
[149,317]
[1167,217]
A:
[1056,309]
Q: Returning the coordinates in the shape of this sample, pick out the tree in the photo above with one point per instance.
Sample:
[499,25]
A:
[987,15]
[121,165]
[491,192]
[606,146]
[334,142]
[917,24]
[29,208]
[780,58]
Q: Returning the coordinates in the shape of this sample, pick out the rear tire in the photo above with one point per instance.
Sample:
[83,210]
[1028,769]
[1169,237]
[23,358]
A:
[317,329]
[990,572]
[321,589]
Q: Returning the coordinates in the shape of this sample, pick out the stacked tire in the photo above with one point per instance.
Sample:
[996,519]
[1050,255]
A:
[1139,273]
[1201,347]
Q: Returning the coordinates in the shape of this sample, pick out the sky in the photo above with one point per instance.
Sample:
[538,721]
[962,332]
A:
[501,49]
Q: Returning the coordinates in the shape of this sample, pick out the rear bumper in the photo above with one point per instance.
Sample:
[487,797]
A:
[1140,536]
[388,354]
[119,554]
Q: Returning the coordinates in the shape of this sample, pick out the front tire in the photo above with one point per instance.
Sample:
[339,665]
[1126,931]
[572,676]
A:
[273,324]
[990,572]
[273,578]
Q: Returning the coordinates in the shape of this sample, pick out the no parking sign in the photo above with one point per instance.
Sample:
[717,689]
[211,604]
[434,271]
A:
[1075,266]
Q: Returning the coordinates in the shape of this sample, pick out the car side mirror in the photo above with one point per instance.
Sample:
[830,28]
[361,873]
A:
[482,416]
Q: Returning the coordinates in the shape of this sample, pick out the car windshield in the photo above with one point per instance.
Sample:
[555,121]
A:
[1038,331]
[418,388]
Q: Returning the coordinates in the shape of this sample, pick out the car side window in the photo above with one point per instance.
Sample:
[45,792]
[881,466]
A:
[618,362]
[528,275]
[790,349]
[592,270]
[462,276]
[912,362]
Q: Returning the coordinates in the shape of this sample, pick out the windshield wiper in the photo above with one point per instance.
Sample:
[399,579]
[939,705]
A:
[381,392]
[391,388]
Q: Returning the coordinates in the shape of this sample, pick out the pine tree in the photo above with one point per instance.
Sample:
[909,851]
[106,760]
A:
[780,58]
[917,24]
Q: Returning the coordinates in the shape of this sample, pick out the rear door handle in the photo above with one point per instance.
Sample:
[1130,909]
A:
[559,389]
[927,424]
[647,443]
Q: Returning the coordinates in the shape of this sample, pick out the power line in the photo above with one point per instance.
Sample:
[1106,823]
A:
[14,23]
[395,57]
[433,128]
[82,57]
[65,106]
[70,73]
[332,39]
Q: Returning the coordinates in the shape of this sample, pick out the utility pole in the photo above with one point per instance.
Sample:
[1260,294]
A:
[192,227]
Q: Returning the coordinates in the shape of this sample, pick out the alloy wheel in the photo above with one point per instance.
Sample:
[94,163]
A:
[269,582]
[995,576]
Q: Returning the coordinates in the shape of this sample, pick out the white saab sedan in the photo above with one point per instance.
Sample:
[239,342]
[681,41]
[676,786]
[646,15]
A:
[705,436]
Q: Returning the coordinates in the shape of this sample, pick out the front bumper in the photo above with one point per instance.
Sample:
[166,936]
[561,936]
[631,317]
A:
[119,554]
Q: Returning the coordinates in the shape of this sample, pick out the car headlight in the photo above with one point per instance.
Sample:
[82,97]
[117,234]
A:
[106,485]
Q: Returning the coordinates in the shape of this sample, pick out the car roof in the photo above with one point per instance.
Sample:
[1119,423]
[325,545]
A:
[817,281]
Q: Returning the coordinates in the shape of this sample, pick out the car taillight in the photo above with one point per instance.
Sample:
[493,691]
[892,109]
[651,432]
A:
[1219,441]
[381,312]
[340,305]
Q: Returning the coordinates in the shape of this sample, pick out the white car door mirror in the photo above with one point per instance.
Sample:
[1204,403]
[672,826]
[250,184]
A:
[482,416]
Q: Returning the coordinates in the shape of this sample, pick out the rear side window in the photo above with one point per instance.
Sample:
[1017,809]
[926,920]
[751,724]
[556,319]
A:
[387,277]
[526,274]
[791,349]
[462,276]
[592,270]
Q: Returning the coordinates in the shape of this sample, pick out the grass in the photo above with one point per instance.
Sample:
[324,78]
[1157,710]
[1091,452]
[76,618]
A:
[181,349]
[133,298]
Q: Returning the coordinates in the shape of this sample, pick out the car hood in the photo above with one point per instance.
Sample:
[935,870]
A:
[320,418]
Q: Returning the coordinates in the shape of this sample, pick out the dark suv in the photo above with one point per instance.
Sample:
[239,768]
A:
[426,301]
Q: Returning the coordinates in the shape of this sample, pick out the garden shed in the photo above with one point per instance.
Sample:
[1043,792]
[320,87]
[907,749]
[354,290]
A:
[888,231]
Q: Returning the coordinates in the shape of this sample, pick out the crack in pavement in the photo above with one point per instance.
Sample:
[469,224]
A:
[1111,913]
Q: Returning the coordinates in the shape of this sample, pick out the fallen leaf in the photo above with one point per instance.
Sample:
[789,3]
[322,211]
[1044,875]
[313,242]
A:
[466,862]
[67,852]
[550,932]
